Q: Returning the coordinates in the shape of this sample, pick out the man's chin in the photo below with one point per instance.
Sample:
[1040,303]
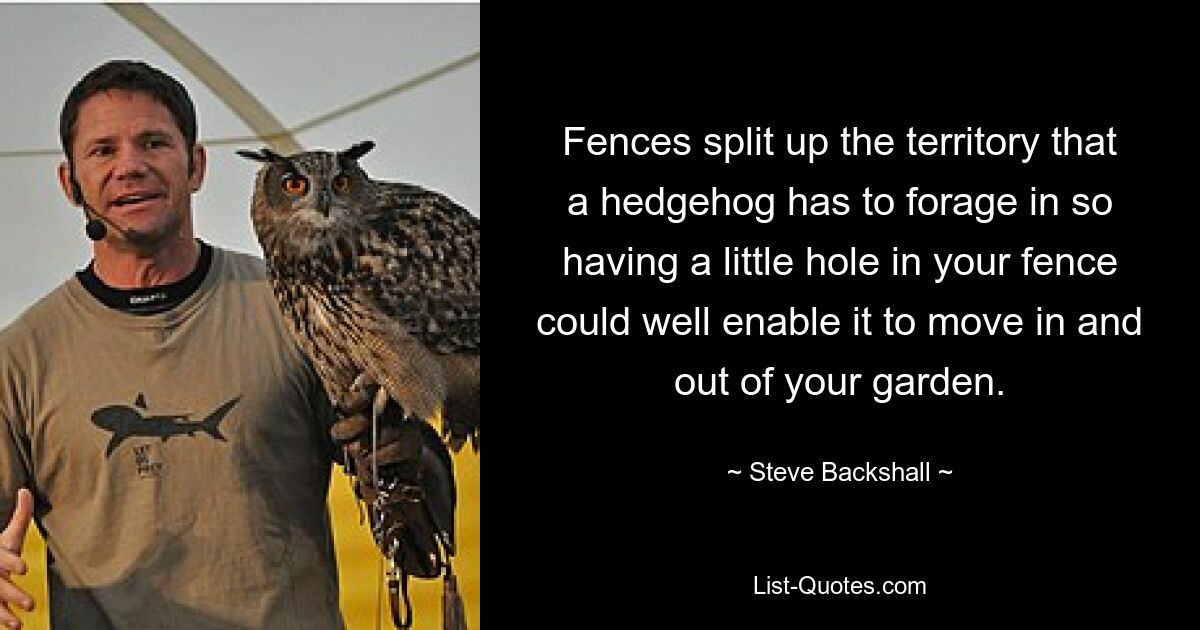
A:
[148,239]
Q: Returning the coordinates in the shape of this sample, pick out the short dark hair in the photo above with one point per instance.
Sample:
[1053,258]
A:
[131,76]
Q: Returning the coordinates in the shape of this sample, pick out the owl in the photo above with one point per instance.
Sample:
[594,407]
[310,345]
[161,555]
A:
[376,279]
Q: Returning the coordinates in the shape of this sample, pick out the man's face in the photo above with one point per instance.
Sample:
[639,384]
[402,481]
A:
[131,162]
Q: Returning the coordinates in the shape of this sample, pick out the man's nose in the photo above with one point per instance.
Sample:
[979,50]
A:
[130,164]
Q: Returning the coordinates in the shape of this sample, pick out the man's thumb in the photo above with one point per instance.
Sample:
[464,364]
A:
[13,536]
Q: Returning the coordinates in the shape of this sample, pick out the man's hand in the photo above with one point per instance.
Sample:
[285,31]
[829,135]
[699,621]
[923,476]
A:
[368,452]
[389,462]
[12,539]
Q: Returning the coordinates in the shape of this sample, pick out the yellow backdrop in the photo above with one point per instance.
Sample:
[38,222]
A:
[358,562]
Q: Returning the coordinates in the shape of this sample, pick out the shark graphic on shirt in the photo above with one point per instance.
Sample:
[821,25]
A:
[125,421]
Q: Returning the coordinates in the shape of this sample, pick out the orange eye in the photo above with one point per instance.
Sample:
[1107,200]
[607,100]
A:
[341,183]
[295,185]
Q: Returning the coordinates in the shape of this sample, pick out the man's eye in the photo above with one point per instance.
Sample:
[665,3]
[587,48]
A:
[156,143]
[101,151]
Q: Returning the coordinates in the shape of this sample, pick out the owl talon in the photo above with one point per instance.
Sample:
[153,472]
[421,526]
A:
[380,404]
[362,383]
[354,403]
[357,397]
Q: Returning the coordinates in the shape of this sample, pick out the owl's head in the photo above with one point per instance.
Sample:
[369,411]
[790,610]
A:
[314,194]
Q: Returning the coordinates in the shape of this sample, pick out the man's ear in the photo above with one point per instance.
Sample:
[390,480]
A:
[199,162]
[68,186]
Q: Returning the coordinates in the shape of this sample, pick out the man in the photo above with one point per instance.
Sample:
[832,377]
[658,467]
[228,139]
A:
[155,417]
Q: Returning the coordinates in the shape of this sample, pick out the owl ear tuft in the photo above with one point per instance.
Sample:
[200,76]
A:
[357,151]
[264,155]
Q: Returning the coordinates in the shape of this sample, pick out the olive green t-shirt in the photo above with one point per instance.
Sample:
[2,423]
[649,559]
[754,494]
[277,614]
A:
[179,461]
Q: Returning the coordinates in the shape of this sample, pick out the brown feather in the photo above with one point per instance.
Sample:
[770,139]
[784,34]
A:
[384,280]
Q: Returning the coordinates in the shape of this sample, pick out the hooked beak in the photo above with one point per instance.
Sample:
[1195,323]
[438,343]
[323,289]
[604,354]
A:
[323,201]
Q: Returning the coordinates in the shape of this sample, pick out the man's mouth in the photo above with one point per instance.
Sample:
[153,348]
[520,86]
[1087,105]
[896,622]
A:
[134,199]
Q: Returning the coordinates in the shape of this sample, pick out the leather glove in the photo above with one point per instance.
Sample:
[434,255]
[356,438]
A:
[404,474]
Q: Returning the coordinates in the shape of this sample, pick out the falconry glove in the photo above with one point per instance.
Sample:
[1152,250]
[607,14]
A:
[403,472]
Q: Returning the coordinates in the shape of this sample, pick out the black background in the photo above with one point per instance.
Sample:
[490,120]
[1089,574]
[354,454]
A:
[608,497]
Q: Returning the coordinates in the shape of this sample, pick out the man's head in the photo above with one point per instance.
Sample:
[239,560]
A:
[130,76]
[129,134]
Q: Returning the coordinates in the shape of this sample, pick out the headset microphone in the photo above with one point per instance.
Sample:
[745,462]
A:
[95,228]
